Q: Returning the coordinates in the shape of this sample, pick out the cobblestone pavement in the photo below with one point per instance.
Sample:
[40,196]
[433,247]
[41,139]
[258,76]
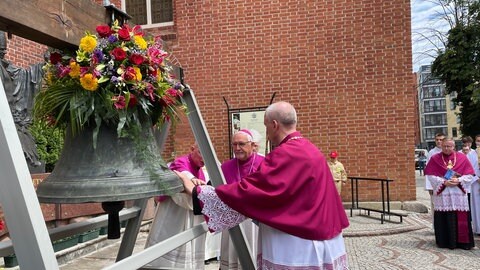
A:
[370,245]
[409,250]
[407,246]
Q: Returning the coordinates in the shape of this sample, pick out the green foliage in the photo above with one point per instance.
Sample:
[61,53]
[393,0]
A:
[49,142]
[458,65]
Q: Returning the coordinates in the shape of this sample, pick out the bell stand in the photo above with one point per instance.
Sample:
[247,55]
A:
[29,234]
[27,227]
[125,259]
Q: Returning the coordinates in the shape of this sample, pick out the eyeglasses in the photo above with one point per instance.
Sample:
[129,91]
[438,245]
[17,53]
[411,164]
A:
[241,144]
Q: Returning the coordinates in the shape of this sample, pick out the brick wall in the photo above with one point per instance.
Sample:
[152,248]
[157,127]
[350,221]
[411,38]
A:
[344,65]
[23,52]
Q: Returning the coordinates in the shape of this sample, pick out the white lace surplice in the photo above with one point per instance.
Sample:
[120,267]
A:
[451,198]
[276,249]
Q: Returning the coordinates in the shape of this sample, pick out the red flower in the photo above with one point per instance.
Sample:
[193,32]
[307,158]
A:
[119,102]
[133,101]
[104,30]
[119,54]
[124,33]
[153,72]
[136,59]
[129,74]
[55,58]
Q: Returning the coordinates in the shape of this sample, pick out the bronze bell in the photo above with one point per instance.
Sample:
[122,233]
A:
[114,171]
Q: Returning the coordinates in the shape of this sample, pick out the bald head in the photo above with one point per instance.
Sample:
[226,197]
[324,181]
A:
[283,112]
[280,121]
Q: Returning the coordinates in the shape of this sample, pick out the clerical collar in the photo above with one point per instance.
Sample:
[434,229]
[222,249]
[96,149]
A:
[292,136]
[248,159]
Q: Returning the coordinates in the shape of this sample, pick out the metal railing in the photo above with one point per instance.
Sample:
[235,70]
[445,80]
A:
[385,195]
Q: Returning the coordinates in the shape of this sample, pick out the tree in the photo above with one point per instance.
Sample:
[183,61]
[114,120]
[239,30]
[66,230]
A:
[433,20]
[459,62]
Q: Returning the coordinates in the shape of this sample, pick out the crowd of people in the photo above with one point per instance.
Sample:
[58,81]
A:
[451,180]
[286,202]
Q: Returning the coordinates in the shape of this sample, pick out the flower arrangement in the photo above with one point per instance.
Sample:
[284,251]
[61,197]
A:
[117,77]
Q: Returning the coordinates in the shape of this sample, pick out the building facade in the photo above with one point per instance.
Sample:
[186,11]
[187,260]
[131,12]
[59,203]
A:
[437,111]
[345,66]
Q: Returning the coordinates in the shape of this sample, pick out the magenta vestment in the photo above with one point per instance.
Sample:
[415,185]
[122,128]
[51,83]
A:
[185,163]
[452,223]
[234,169]
[437,165]
[292,191]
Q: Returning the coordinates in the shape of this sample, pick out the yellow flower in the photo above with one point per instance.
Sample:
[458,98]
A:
[88,43]
[138,73]
[49,77]
[159,75]
[74,70]
[89,82]
[141,43]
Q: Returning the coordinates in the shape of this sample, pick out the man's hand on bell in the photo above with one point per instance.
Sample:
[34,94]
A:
[186,181]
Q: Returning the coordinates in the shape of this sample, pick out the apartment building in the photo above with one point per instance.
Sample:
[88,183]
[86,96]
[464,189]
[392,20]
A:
[438,113]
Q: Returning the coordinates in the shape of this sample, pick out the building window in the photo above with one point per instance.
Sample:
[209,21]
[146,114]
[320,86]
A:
[454,132]
[429,133]
[150,13]
[453,106]
[435,105]
[435,119]
[433,91]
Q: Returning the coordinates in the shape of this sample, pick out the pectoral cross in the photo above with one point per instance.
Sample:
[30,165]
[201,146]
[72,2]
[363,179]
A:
[450,165]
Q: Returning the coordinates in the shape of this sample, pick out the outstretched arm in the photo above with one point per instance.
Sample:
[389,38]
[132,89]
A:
[218,215]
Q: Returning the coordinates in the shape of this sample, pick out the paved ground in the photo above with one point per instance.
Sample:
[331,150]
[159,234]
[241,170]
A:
[370,245]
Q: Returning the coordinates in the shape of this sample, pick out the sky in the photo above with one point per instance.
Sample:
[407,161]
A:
[426,19]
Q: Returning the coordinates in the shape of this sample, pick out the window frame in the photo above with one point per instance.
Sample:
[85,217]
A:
[149,16]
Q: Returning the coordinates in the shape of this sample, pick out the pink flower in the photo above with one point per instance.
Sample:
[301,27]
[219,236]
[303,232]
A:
[137,30]
[63,71]
[149,92]
[118,102]
[173,92]
[155,55]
